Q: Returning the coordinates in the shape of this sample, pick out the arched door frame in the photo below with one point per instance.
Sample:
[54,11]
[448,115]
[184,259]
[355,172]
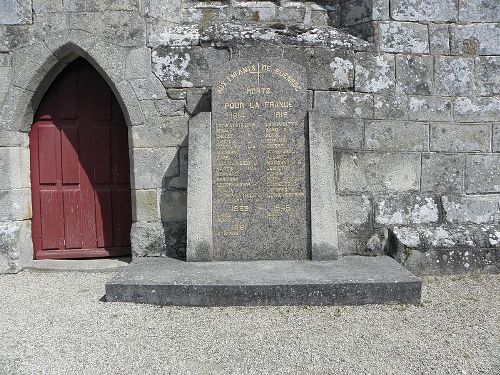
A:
[34,69]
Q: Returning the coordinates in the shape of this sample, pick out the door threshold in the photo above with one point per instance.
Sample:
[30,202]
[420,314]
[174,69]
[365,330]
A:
[80,265]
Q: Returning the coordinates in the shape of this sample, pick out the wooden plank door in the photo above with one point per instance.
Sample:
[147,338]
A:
[80,169]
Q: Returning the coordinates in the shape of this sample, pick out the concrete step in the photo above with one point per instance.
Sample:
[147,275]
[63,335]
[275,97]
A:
[80,265]
[352,280]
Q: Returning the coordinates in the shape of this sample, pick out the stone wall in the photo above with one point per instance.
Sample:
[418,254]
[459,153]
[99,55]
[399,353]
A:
[408,88]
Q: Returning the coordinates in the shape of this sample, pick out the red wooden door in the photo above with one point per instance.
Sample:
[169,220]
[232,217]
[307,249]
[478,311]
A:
[80,169]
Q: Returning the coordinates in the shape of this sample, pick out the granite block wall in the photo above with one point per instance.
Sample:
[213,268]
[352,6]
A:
[408,88]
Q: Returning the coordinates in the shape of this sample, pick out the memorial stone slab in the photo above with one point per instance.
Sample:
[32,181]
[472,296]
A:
[259,165]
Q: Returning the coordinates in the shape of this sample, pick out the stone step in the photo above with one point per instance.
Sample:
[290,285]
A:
[351,280]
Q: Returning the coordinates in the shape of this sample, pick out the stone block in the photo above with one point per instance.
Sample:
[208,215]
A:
[344,104]
[100,5]
[5,60]
[251,52]
[329,69]
[28,59]
[424,10]
[153,166]
[496,138]
[475,39]
[442,173]
[162,132]
[405,209]
[451,137]
[374,72]
[111,59]
[186,67]
[479,11]
[454,76]
[180,182]
[415,74]
[15,12]
[354,211]
[472,209]
[15,204]
[356,11]
[290,12]
[175,239]
[173,205]
[379,172]
[429,108]
[343,133]
[127,29]
[476,109]
[254,11]
[13,138]
[145,205]
[402,37]
[9,250]
[138,63]
[483,174]
[15,167]
[162,34]
[148,239]
[439,39]
[391,105]
[386,135]
[47,6]
[169,107]
[487,75]
[148,89]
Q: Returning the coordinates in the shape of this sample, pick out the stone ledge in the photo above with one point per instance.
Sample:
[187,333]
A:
[225,35]
[352,280]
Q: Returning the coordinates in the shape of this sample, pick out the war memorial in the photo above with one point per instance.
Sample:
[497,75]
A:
[252,152]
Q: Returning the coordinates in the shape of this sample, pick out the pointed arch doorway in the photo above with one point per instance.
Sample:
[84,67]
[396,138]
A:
[80,177]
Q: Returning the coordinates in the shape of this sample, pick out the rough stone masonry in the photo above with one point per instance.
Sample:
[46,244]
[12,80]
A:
[408,90]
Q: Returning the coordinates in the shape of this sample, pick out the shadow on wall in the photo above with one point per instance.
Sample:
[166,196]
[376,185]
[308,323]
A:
[173,204]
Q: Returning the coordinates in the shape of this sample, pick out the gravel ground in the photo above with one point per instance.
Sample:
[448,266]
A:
[56,323]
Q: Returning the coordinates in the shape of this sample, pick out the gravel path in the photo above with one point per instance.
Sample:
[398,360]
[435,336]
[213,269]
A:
[55,323]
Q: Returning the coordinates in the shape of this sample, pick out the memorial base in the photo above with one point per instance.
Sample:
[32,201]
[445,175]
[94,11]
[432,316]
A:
[351,280]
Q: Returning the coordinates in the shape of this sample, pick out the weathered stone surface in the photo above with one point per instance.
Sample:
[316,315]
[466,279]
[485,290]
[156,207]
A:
[323,201]
[344,104]
[326,68]
[479,11]
[185,66]
[472,209]
[496,138]
[15,12]
[487,69]
[152,165]
[254,11]
[9,252]
[148,88]
[454,75]
[391,105]
[355,226]
[351,280]
[356,11]
[439,39]
[483,173]
[424,10]
[363,172]
[259,175]
[374,72]
[15,204]
[343,133]
[402,37]
[405,209]
[429,108]
[460,137]
[161,132]
[443,173]
[384,135]
[169,107]
[173,205]
[145,205]
[199,243]
[148,239]
[475,39]
[415,74]
[100,5]
[476,109]
[178,36]
[126,29]
[5,59]
[14,164]
[290,12]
